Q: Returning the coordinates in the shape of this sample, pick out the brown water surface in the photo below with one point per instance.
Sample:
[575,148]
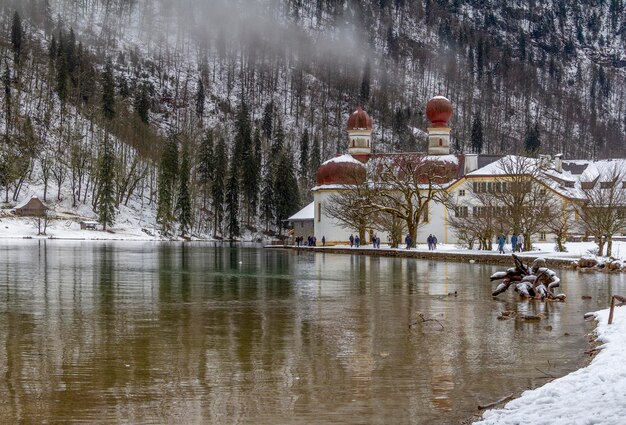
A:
[121,332]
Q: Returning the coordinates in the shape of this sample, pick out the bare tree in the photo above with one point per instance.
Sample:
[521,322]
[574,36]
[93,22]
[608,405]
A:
[515,200]
[352,205]
[604,211]
[404,186]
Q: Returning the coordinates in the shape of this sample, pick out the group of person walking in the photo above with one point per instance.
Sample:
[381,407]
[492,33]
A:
[517,243]
[310,241]
[432,242]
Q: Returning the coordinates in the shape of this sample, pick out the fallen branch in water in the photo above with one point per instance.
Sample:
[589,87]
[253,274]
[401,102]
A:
[546,373]
[503,399]
[422,319]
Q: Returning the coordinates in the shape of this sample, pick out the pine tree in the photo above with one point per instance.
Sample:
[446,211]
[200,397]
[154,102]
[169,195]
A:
[6,81]
[304,153]
[183,205]
[62,77]
[258,157]
[532,141]
[285,189]
[168,169]
[316,159]
[477,135]
[200,97]
[267,195]
[142,103]
[217,189]
[106,196]
[16,37]
[206,165]
[108,92]
[267,124]
[244,157]
[232,199]
[365,84]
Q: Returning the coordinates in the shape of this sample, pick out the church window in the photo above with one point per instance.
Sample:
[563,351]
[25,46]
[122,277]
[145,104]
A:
[425,216]
[440,142]
[462,192]
[353,142]
[461,212]
[319,211]
[542,236]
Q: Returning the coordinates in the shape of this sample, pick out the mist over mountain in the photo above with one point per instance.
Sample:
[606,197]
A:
[292,71]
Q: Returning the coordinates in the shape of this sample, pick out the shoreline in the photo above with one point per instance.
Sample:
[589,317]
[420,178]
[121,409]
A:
[481,257]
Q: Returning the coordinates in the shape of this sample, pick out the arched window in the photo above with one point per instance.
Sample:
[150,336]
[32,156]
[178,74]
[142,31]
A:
[440,142]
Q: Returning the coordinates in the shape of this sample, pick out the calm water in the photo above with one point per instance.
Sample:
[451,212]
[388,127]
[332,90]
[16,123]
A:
[99,332]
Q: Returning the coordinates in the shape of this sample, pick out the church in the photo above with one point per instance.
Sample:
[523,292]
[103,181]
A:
[459,176]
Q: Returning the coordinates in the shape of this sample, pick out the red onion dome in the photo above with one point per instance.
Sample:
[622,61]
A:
[343,169]
[359,120]
[439,111]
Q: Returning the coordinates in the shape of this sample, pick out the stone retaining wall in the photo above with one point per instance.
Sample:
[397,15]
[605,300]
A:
[463,257]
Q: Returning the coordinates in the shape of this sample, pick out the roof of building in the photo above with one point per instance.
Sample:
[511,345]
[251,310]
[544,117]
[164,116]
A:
[306,213]
[343,169]
[359,120]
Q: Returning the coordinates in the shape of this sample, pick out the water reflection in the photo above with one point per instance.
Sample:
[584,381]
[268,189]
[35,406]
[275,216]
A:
[184,333]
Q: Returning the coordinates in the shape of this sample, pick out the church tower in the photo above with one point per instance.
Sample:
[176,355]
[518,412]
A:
[360,135]
[439,111]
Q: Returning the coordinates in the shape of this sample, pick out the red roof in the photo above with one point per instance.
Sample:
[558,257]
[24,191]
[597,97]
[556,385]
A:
[359,120]
[439,111]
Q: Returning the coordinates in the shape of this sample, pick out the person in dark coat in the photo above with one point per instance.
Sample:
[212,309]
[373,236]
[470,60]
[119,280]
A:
[434,242]
[429,239]
[357,241]
[351,241]
[323,240]
[408,241]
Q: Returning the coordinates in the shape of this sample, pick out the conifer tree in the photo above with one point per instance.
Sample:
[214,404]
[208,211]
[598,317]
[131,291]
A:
[168,170]
[183,205]
[108,91]
[477,135]
[232,199]
[245,161]
[316,160]
[62,77]
[217,189]
[16,37]
[268,121]
[200,97]
[285,189]
[267,195]
[365,84]
[206,165]
[142,103]
[532,141]
[106,196]
[304,153]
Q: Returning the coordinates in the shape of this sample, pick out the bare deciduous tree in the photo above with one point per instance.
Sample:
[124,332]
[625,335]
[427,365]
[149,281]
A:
[604,211]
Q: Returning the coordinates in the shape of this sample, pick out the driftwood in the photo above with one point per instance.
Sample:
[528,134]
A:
[422,319]
[502,400]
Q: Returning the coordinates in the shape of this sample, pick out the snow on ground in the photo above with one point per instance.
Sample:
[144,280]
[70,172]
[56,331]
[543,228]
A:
[595,394]
[574,251]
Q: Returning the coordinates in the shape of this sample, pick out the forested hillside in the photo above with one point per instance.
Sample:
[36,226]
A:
[215,114]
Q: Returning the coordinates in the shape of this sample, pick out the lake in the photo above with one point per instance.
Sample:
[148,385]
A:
[190,333]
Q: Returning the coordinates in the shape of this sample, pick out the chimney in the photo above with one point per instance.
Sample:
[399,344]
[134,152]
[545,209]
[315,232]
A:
[558,162]
[471,162]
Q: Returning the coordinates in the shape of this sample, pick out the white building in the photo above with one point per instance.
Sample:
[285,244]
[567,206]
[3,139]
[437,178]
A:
[464,174]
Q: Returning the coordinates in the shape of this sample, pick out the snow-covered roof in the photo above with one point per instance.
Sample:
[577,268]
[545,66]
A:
[453,159]
[306,213]
[343,158]
[441,97]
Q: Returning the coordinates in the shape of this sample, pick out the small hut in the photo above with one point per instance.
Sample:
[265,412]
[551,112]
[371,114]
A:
[33,208]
